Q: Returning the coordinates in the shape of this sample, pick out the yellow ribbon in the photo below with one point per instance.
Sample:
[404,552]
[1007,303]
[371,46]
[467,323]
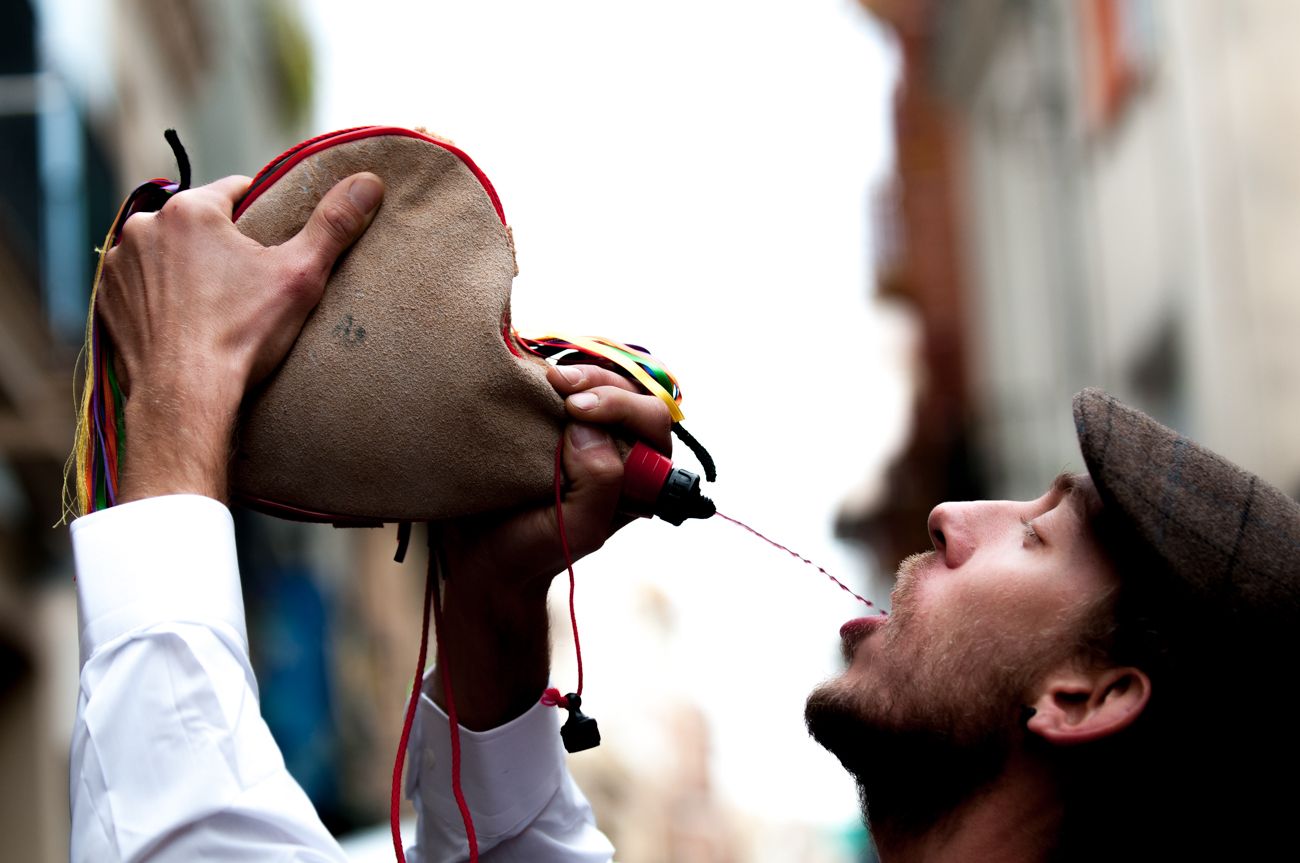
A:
[639,374]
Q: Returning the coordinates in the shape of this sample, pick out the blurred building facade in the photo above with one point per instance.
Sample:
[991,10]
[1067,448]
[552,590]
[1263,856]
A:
[52,176]
[86,89]
[1092,192]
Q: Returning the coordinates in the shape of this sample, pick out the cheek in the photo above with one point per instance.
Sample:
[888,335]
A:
[919,616]
[944,614]
[935,602]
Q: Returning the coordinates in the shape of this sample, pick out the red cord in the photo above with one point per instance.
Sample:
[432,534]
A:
[551,697]
[568,561]
[430,600]
[454,724]
[394,809]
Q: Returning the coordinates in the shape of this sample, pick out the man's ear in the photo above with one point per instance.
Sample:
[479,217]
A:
[1076,706]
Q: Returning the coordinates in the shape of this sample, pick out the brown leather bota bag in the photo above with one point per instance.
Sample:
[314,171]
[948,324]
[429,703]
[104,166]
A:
[408,396]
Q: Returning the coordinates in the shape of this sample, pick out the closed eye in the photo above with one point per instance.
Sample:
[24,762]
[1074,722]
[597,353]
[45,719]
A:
[1031,535]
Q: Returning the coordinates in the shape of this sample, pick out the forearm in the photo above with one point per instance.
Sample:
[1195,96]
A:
[179,443]
[495,647]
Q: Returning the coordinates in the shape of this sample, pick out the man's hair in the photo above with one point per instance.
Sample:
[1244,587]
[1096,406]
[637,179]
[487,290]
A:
[1130,625]
[1176,783]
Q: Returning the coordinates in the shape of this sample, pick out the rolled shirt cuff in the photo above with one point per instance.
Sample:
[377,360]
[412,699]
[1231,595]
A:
[162,559]
[508,773]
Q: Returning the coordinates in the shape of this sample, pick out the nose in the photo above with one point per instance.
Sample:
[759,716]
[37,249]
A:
[935,526]
[948,533]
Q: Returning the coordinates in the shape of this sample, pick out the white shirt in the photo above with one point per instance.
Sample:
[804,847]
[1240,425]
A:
[171,759]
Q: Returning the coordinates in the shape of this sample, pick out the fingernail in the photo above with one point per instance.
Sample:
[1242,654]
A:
[584,401]
[571,374]
[586,437]
[365,192]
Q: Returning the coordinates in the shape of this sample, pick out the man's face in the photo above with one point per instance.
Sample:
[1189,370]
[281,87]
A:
[976,624]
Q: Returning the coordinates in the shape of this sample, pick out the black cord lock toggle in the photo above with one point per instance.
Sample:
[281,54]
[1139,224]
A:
[579,731]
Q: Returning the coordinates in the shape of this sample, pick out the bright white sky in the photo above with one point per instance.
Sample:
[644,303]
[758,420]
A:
[693,177]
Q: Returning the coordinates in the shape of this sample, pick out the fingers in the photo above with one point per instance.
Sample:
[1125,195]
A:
[523,549]
[597,395]
[572,379]
[203,209]
[646,417]
[595,472]
[340,217]
[215,200]
[228,189]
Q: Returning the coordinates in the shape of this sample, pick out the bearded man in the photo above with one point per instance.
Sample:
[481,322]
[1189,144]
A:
[1105,672]
[1070,678]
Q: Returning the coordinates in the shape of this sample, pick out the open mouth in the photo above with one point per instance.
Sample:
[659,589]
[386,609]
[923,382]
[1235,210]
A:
[854,631]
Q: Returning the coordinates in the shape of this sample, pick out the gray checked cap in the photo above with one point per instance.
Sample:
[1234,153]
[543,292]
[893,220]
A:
[1226,534]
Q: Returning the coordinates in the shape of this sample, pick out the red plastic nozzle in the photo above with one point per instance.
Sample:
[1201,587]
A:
[652,486]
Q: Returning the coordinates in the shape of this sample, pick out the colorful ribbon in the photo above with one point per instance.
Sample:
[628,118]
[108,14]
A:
[632,359]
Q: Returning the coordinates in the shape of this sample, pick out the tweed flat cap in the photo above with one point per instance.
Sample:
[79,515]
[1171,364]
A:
[1228,535]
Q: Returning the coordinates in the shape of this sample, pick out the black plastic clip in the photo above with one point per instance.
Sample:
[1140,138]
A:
[579,731]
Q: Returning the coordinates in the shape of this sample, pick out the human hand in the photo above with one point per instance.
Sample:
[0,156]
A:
[523,549]
[500,567]
[198,313]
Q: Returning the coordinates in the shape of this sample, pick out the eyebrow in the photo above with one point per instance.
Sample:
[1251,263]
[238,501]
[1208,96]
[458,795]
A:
[1067,487]
[1065,483]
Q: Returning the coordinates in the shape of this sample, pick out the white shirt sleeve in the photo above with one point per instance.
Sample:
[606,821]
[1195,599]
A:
[524,803]
[170,757]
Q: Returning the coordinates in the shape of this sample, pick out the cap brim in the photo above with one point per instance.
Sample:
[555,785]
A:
[1229,535]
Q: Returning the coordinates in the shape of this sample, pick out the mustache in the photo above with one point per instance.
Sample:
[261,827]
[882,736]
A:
[905,583]
[910,569]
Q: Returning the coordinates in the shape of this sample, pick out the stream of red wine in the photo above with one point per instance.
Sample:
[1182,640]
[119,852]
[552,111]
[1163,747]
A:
[844,587]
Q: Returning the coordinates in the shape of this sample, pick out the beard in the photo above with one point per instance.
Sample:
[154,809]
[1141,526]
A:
[914,763]
[934,719]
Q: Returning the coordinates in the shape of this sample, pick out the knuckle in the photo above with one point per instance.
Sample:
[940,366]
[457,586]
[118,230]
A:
[297,278]
[615,400]
[663,419]
[648,411]
[134,231]
[184,206]
[301,280]
[339,220]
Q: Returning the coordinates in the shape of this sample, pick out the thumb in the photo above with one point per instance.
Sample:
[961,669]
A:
[342,215]
[595,472]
